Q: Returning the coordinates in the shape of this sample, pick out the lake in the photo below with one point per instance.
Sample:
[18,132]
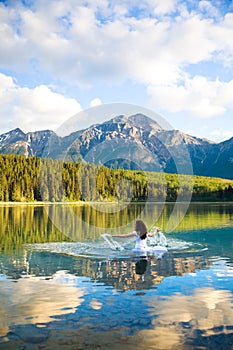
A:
[63,287]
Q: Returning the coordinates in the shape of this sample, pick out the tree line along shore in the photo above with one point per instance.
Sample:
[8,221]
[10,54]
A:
[29,179]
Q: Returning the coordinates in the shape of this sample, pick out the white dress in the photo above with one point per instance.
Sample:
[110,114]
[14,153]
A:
[140,243]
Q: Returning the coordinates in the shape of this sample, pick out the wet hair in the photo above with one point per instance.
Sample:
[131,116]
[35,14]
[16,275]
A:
[141,228]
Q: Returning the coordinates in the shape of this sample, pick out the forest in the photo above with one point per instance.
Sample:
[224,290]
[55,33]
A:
[29,179]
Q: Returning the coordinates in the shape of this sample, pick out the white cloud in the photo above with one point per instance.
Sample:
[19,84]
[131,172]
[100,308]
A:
[199,96]
[221,134]
[207,8]
[189,41]
[208,131]
[33,109]
[87,41]
[95,102]
[12,44]
[73,42]
[6,83]
[164,7]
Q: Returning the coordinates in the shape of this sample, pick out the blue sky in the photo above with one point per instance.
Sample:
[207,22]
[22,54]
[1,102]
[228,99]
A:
[172,57]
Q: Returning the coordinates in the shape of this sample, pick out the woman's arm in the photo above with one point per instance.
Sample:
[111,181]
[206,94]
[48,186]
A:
[151,234]
[131,234]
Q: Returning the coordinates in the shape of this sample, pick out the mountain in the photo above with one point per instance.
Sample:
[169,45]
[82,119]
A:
[32,143]
[134,142]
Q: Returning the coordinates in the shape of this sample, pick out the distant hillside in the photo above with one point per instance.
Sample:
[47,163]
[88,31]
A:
[134,142]
[44,179]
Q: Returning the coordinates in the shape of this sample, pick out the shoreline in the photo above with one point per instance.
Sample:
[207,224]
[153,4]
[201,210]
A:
[113,202]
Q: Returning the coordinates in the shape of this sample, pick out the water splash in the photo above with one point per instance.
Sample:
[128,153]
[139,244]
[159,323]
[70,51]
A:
[107,248]
[112,244]
[158,238]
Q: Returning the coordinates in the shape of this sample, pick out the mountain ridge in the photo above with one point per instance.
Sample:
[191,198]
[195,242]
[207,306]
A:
[133,142]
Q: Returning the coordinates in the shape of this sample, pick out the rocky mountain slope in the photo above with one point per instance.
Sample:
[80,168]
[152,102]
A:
[134,142]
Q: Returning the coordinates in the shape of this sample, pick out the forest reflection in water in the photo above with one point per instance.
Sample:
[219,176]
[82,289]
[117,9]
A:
[51,298]
[57,222]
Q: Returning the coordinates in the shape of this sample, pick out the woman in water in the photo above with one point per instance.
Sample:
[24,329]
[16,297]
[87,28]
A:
[140,235]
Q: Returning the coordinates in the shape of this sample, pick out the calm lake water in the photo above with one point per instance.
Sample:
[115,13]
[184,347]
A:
[63,287]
